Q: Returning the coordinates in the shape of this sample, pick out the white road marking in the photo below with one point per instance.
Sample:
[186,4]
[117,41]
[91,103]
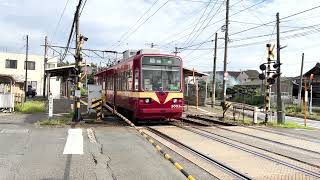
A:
[14,131]
[74,144]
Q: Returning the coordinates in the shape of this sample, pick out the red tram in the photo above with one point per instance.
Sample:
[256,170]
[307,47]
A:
[146,86]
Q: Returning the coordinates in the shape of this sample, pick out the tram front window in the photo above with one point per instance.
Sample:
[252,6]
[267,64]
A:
[161,74]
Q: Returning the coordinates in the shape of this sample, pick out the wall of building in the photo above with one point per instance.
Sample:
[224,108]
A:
[243,77]
[35,75]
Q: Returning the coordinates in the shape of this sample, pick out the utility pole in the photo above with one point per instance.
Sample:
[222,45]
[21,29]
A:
[280,117]
[78,59]
[300,84]
[45,66]
[26,66]
[213,97]
[224,88]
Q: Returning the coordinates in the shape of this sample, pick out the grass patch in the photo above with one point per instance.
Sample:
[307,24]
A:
[31,107]
[290,125]
[57,121]
[314,116]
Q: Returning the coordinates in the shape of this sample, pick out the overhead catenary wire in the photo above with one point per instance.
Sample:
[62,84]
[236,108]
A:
[196,25]
[131,27]
[195,36]
[138,27]
[240,11]
[60,19]
[286,17]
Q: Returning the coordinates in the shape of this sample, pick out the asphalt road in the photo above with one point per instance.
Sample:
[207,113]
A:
[30,152]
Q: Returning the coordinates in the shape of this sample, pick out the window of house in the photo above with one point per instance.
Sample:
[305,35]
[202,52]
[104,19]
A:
[33,84]
[12,64]
[50,66]
[31,65]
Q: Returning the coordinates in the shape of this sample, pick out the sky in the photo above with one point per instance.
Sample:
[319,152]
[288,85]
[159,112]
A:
[122,24]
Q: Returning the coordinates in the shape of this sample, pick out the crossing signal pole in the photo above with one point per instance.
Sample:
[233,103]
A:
[78,59]
[270,75]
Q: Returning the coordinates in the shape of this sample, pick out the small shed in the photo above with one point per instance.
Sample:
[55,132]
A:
[7,84]
[190,86]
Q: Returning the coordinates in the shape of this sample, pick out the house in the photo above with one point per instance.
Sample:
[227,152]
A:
[247,76]
[13,65]
[232,77]
[315,82]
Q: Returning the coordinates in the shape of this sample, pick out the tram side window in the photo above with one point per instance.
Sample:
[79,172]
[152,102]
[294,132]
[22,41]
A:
[136,80]
[129,80]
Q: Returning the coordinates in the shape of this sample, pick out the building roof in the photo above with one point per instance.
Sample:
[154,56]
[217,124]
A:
[234,74]
[315,70]
[252,73]
[189,72]
[256,82]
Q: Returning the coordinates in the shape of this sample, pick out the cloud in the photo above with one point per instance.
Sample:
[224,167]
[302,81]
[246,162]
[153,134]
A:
[104,23]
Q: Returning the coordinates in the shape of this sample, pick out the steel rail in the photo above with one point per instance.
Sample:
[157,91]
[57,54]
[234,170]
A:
[305,171]
[261,138]
[220,165]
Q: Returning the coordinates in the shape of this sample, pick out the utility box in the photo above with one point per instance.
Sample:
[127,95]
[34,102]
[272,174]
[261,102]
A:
[6,92]
[94,91]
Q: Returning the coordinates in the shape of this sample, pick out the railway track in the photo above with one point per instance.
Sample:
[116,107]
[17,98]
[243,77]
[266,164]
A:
[218,122]
[304,137]
[229,170]
[257,137]
[254,146]
[255,153]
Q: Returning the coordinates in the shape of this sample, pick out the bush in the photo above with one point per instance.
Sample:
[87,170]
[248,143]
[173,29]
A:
[252,100]
[31,107]
[83,91]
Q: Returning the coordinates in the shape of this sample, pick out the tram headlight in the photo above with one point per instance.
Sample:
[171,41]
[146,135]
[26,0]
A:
[147,100]
[174,101]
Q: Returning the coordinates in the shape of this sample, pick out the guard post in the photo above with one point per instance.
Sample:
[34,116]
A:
[97,106]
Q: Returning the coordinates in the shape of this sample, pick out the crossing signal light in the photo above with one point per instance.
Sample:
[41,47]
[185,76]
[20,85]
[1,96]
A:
[276,75]
[271,81]
[276,65]
[262,76]
[263,67]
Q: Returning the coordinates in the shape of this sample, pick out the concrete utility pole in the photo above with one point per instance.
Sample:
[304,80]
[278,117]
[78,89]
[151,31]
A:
[45,65]
[300,84]
[78,59]
[280,117]
[26,66]
[224,88]
[213,97]
[176,51]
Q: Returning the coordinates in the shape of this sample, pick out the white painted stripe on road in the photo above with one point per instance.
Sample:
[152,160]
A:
[14,131]
[74,144]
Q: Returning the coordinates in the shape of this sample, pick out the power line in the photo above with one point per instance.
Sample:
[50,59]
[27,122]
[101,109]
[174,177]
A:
[145,21]
[71,32]
[195,37]
[286,17]
[123,35]
[63,11]
[83,7]
[186,41]
[222,20]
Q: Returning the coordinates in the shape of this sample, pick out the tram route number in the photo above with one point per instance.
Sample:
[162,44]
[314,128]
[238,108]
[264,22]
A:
[176,106]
